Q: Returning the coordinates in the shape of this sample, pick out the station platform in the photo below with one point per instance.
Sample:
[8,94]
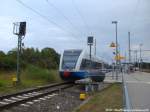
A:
[138,85]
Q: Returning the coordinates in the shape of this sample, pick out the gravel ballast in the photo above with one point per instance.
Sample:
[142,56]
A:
[64,101]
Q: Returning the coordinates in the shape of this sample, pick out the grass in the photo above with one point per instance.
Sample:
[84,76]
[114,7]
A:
[109,98]
[31,77]
[36,73]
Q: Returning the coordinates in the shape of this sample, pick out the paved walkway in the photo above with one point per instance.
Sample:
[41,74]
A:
[138,85]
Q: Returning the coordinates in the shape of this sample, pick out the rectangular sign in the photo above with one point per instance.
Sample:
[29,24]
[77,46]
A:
[90,40]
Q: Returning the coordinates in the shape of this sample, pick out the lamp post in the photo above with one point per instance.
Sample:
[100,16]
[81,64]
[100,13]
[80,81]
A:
[115,22]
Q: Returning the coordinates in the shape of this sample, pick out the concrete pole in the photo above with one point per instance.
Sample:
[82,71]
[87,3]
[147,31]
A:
[141,57]
[95,48]
[136,61]
[18,58]
[129,51]
[129,47]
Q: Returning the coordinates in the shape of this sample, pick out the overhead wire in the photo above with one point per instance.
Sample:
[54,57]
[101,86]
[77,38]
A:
[45,17]
[81,16]
[134,15]
[63,15]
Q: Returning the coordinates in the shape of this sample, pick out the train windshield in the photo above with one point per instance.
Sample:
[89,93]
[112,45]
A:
[70,59]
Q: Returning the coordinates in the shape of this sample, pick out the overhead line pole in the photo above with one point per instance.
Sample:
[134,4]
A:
[140,50]
[136,56]
[129,48]
[95,48]
[140,57]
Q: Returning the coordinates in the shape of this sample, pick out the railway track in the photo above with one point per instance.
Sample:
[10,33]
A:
[8,101]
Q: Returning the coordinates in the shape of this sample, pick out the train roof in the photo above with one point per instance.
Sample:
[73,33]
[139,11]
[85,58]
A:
[85,54]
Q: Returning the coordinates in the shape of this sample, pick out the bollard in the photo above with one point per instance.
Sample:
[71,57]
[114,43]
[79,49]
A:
[14,81]
[82,96]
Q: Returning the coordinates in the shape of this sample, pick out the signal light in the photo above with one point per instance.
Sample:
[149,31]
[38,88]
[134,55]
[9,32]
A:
[22,28]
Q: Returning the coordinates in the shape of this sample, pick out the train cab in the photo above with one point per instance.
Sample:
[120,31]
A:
[75,64]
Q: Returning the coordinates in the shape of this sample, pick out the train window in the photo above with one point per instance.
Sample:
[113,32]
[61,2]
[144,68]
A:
[83,64]
[86,65]
[94,65]
[70,59]
[99,65]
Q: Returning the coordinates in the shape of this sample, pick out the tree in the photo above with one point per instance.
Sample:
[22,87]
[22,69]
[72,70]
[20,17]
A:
[2,54]
[46,58]
[51,57]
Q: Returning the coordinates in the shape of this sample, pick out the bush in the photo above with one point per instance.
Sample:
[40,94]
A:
[7,63]
[1,83]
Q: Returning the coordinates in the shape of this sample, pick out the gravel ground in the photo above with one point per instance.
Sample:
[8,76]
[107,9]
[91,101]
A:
[64,101]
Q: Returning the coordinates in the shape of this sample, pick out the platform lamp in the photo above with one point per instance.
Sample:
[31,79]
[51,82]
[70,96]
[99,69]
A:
[117,52]
[19,29]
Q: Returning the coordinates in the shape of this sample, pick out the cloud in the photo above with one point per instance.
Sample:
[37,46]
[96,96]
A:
[131,15]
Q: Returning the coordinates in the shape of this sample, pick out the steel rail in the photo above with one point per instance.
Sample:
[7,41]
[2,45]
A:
[32,90]
[53,90]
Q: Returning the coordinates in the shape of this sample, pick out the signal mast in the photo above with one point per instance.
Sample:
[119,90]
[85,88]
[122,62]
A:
[19,29]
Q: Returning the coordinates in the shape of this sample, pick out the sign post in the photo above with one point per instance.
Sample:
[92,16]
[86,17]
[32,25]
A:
[90,43]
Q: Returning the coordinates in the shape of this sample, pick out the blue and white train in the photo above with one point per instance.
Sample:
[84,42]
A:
[75,64]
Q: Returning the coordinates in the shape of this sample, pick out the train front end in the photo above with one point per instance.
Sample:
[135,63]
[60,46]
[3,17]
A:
[68,66]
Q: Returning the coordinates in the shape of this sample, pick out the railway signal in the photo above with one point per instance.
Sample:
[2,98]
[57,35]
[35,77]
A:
[19,29]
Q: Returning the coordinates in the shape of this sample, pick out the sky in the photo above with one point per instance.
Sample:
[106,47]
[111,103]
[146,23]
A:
[66,24]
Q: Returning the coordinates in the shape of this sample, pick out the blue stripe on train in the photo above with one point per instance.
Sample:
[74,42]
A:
[96,75]
[74,75]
